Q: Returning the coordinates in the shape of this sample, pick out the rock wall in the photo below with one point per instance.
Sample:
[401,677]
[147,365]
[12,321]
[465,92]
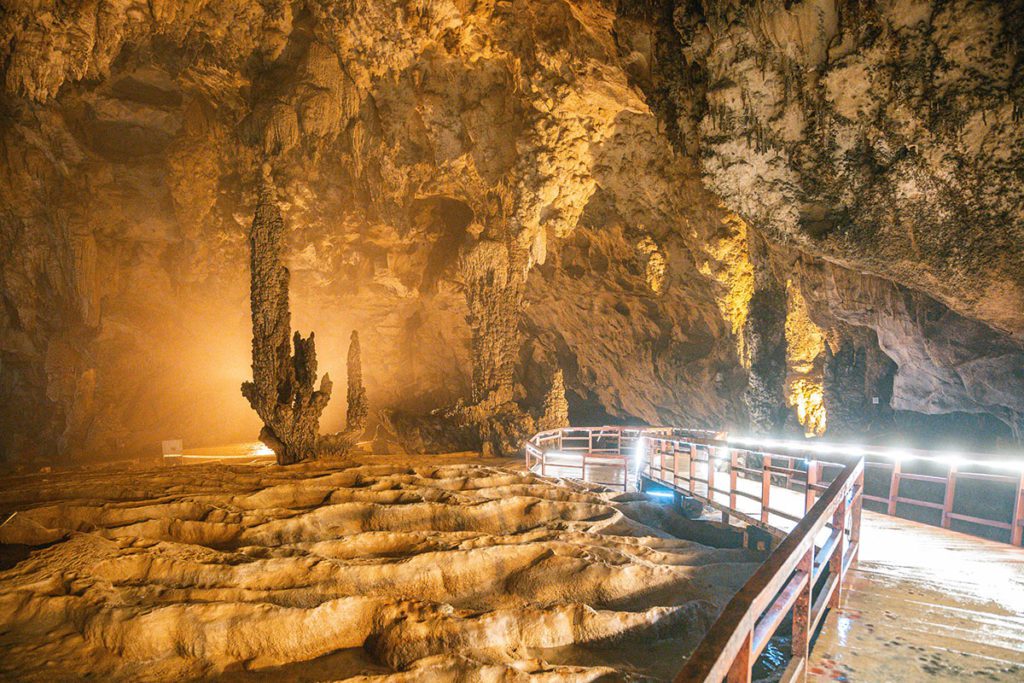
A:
[403,140]
[879,145]
[620,154]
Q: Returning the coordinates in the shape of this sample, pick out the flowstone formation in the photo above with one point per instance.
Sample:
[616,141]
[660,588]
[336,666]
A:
[282,390]
[393,570]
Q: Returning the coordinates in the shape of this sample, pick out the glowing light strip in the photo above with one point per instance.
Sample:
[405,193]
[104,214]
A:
[767,445]
[249,456]
[896,454]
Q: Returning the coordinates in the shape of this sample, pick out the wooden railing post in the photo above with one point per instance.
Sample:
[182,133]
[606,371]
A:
[711,473]
[947,501]
[801,642]
[1018,513]
[813,474]
[675,463]
[734,463]
[837,562]
[894,487]
[693,467]
[742,669]
[855,515]
[766,485]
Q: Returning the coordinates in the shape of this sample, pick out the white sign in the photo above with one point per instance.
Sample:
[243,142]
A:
[172,447]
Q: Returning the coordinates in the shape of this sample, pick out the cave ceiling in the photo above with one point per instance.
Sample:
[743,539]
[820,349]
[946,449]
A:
[490,191]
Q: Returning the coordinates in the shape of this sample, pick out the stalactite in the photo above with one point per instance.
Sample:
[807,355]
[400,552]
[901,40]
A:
[282,389]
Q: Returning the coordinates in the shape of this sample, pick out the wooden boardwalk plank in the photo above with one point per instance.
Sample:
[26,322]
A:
[925,604]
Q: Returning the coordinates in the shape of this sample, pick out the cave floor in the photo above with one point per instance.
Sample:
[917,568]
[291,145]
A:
[925,604]
[381,568]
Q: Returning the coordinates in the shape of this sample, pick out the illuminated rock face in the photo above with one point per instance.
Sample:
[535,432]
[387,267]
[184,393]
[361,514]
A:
[882,143]
[491,192]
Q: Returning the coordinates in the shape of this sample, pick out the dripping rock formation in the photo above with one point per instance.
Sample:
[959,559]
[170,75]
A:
[679,203]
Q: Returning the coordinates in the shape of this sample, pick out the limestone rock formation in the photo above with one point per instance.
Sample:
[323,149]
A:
[282,390]
[357,410]
[390,570]
[881,142]
[357,407]
[556,408]
[486,191]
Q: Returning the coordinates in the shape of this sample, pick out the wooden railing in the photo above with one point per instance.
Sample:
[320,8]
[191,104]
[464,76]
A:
[607,449]
[1002,479]
[804,575]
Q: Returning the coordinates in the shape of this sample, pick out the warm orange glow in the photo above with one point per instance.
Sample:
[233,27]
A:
[805,346]
[730,266]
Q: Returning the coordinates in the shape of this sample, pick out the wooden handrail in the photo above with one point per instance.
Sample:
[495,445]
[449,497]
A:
[720,649]
[785,583]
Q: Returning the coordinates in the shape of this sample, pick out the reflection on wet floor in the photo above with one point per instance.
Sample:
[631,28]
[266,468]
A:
[926,604]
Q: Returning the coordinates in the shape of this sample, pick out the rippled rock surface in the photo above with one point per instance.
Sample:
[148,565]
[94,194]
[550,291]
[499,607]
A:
[388,570]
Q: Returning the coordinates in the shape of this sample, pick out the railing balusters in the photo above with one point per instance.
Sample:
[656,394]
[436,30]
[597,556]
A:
[734,462]
[1017,520]
[855,515]
[837,565]
[766,485]
[742,669]
[711,472]
[947,500]
[813,474]
[691,486]
[894,488]
[800,644]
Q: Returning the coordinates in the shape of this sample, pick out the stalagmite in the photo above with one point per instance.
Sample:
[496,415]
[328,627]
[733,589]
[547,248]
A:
[282,389]
[556,408]
[358,409]
[495,282]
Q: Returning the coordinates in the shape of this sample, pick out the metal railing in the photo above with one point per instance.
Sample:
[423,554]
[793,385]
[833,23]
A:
[804,575]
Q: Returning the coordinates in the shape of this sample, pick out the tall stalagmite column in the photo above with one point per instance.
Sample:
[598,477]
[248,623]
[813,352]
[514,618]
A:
[282,387]
[340,443]
[556,408]
[358,406]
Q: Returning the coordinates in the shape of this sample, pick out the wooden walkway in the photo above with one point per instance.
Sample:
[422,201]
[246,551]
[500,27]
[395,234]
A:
[925,604]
